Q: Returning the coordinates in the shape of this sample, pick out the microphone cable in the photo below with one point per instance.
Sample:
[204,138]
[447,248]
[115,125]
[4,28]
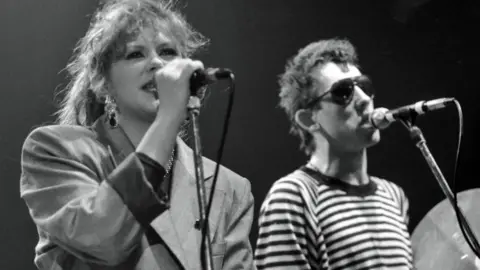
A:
[231,96]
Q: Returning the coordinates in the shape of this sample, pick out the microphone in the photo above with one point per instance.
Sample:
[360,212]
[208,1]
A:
[381,118]
[206,76]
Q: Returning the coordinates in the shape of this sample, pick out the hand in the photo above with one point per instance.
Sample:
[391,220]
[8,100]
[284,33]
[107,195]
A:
[173,85]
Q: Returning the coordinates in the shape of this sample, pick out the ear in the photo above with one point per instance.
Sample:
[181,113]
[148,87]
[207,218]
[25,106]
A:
[304,118]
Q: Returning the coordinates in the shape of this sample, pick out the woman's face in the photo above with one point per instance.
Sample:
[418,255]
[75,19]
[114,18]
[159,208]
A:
[131,76]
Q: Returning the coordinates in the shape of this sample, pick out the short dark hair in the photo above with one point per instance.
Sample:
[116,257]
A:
[297,85]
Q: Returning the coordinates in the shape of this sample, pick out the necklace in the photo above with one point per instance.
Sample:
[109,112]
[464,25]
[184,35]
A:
[170,162]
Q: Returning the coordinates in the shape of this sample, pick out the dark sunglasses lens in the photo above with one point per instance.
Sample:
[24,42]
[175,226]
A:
[342,92]
[366,84]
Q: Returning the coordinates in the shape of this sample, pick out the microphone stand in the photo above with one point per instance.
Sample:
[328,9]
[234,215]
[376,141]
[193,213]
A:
[421,143]
[194,111]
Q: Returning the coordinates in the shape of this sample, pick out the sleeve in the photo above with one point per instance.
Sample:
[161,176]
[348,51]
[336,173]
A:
[154,172]
[239,254]
[404,205]
[285,232]
[97,220]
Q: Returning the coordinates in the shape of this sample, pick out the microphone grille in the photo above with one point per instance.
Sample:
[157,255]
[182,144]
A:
[222,73]
[377,118]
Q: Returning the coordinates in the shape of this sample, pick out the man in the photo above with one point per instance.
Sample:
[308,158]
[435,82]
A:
[331,213]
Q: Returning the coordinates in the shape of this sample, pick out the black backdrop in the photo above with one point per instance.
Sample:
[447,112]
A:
[429,56]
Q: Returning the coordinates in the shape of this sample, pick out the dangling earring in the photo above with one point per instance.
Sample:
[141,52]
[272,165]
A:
[314,127]
[111,110]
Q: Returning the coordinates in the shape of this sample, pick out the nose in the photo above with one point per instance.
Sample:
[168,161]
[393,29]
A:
[156,62]
[362,100]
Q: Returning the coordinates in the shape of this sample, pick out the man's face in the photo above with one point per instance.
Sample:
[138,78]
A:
[343,118]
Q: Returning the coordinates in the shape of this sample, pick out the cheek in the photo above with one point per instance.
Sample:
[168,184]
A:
[123,82]
[121,77]
[335,116]
[338,122]
[329,120]
[350,116]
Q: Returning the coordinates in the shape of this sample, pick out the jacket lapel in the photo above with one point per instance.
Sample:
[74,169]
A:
[176,226]
[116,141]
[185,210]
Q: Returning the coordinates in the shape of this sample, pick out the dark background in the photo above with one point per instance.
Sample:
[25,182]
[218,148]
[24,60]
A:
[429,54]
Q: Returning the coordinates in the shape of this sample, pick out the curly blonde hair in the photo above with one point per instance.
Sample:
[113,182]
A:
[111,26]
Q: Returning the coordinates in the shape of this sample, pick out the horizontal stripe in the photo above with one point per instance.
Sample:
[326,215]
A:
[305,225]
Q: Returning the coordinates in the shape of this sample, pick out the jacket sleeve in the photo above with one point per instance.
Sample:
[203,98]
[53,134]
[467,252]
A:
[97,220]
[239,254]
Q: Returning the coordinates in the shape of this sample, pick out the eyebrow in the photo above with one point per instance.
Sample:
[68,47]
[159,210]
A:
[134,45]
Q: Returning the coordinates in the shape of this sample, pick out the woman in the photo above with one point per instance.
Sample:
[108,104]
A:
[112,186]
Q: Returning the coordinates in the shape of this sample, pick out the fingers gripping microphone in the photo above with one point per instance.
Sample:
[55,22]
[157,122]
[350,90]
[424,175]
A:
[381,117]
[201,78]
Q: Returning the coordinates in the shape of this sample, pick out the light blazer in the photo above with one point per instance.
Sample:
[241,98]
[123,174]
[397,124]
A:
[91,214]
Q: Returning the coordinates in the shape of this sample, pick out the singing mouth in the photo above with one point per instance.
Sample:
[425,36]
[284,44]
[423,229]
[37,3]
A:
[151,86]
[365,121]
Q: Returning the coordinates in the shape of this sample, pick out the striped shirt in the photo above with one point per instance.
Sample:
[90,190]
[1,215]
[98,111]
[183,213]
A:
[311,221]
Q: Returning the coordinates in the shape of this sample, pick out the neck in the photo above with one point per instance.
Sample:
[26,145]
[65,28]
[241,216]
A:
[134,129]
[350,167]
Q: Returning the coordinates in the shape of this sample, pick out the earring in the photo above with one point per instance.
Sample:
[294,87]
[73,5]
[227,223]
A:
[314,127]
[111,109]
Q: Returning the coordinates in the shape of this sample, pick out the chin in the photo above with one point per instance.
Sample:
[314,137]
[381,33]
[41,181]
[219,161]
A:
[156,103]
[148,112]
[374,138]
[151,105]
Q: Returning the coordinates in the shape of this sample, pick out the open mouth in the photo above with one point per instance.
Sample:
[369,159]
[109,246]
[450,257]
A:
[151,86]
[365,122]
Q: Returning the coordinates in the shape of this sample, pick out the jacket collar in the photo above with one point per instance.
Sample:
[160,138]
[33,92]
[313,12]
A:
[116,139]
[176,225]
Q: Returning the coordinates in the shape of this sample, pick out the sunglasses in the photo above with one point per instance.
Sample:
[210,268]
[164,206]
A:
[342,91]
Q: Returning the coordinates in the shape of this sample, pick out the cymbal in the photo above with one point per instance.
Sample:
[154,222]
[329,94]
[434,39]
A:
[438,242]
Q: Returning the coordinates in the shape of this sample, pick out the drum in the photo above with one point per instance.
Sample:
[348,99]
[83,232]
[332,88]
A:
[438,242]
